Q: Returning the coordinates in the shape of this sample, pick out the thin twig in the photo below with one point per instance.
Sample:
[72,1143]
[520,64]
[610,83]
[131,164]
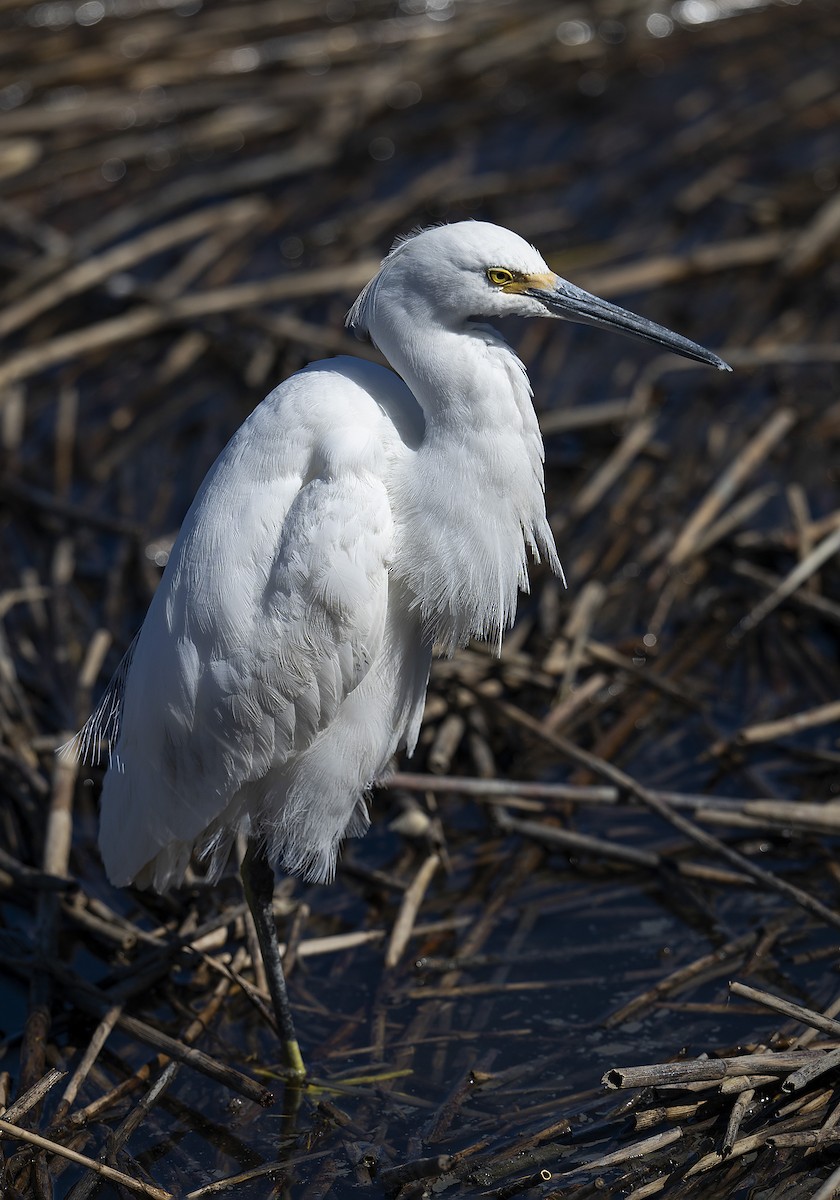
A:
[650,800]
[411,901]
[7,1129]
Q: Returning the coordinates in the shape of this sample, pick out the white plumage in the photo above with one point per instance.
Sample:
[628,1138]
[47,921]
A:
[356,518]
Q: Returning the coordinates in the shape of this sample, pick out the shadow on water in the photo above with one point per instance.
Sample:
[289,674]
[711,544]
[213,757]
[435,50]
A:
[682,162]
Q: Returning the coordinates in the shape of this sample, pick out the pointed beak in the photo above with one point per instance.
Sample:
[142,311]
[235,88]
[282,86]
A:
[572,303]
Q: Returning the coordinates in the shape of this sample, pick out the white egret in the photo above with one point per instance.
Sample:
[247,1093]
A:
[357,518]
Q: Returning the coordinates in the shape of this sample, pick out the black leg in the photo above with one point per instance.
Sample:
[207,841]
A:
[258,881]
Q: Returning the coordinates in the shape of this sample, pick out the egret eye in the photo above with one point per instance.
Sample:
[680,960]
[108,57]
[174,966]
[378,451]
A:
[500,276]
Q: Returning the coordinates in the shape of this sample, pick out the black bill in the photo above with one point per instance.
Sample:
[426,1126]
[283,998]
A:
[574,304]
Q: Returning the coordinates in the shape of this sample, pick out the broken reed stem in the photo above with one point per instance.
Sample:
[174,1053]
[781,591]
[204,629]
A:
[7,1129]
[791,582]
[606,770]
[710,1070]
[197,1026]
[18,1108]
[55,861]
[745,1145]
[393,1178]
[567,839]
[750,813]
[97,1041]
[635,1150]
[812,1070]
[173,1048]
[632,444]
[803,598]
[490,789]
[805,1137]
[142,321]
[97,269]
[810,1034]
[830,1188]
[739,1110]
[649,1117]
[727,484]
[234,1182]
[715,958]
[767,731]
[410,906]
[787,1008]
[740,1083]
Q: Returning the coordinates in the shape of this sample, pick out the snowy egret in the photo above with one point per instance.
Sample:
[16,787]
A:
[357,518]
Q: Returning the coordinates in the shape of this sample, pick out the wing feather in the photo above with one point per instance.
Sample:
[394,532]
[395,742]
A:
[270,613]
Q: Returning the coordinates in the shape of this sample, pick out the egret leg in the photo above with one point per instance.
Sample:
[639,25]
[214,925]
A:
[258,881]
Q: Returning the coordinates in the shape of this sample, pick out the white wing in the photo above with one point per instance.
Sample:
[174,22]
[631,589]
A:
[273,608]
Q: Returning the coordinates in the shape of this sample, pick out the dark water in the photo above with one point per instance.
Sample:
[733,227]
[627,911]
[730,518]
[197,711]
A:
[604,157]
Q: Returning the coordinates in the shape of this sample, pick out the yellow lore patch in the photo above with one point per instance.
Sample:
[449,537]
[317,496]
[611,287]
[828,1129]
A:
[545,282]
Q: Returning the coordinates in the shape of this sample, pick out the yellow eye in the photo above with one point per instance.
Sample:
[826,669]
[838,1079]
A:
[500,276]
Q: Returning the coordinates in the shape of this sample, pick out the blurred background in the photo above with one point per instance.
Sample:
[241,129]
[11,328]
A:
[191,196]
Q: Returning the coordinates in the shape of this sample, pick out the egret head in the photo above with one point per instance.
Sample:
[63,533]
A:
[450,275]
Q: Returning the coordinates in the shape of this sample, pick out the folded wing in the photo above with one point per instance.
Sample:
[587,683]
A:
[273,610]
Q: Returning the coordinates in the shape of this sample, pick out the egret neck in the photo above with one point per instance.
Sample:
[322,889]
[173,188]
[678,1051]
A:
[473,500]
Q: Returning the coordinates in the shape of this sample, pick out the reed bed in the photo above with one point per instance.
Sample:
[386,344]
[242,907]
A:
[590,944]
